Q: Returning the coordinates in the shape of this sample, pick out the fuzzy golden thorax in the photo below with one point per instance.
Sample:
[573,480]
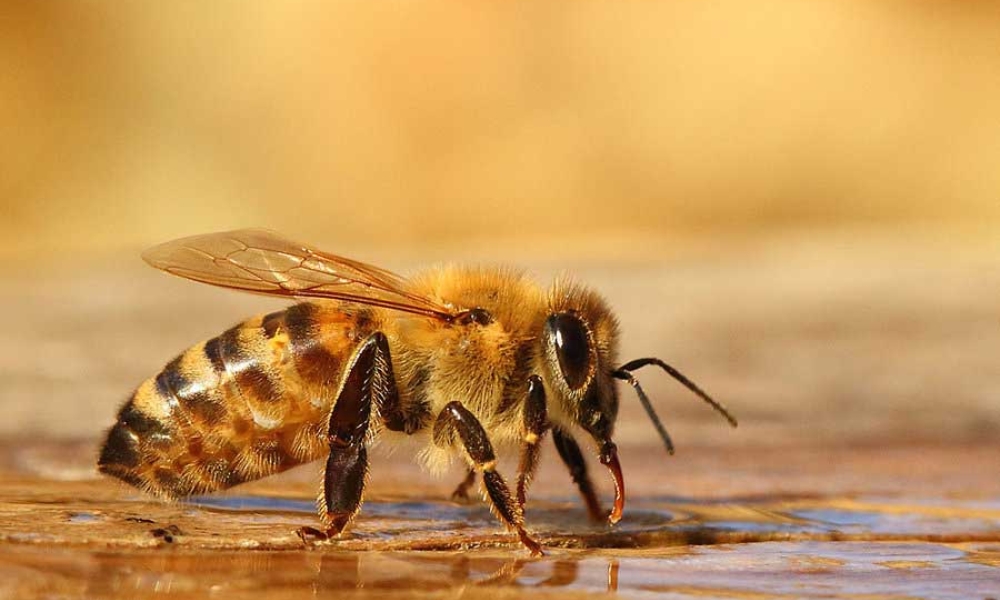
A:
[487,365]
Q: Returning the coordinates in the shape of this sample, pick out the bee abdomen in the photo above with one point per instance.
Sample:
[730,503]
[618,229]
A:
[170,431]
[215,416]
[124,449]
[240,406]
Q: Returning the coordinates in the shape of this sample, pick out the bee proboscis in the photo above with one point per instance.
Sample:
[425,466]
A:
[470,359]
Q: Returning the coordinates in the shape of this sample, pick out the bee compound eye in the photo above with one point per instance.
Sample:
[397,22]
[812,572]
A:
[572,345]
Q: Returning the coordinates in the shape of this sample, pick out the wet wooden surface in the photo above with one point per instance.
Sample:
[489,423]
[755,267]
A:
[775,527]
[865,465]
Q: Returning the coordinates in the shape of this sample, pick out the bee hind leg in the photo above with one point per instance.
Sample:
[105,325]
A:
[347,464]
[456,418]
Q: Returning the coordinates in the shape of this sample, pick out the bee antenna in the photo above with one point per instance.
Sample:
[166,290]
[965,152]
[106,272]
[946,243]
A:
[644,400]
[639,363]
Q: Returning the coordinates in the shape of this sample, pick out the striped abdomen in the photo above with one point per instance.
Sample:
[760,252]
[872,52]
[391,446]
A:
[248,403]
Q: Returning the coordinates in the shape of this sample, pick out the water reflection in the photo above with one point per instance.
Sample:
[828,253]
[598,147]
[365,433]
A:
[684,548]
[828,569]
[279,574]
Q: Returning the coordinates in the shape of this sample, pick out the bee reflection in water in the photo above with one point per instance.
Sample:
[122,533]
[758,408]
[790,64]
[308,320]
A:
[462,570]
[276,574]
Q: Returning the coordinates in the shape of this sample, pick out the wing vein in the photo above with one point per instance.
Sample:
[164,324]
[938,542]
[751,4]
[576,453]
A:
[261,261]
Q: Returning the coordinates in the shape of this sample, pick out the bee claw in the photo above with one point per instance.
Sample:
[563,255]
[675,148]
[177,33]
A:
[310,535]
[533,547]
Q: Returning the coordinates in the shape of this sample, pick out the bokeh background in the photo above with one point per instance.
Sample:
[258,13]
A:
[797,203]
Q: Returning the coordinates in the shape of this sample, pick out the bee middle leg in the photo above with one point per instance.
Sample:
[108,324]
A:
[455,417]
[535,424]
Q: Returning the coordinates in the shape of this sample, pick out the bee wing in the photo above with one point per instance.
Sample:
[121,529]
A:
[258,260]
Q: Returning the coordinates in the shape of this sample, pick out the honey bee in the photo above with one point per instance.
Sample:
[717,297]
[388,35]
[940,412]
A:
[470,359]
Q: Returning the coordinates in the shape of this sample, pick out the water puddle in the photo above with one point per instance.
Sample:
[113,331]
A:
[89,539]
[269,522]
[766,570]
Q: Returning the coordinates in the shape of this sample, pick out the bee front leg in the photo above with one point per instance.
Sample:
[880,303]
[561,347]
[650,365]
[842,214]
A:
[347,463]
[571,455]
[535,424]
[455,417]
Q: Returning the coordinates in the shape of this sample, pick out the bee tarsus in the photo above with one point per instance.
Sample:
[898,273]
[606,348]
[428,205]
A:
[309,535]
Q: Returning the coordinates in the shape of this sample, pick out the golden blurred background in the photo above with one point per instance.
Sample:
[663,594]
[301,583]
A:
[807,194]
[405,124]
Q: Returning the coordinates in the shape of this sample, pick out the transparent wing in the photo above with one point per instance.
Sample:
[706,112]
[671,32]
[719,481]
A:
[258,260]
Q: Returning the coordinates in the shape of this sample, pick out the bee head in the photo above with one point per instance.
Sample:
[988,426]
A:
[580,347]
[579,352]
